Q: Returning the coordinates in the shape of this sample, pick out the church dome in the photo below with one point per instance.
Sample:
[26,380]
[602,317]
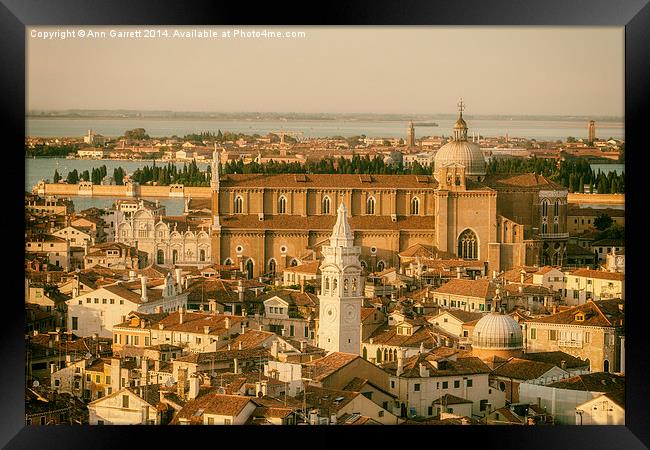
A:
[460,151]
[497,331]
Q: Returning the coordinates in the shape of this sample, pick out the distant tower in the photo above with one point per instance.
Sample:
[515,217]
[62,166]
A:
[410,135]
[214,185]
[592,131]
[341,290]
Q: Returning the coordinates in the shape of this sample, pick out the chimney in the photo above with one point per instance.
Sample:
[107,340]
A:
[302,285]
[264,388]
[235,365]
[563,364]
[201,307]
[57,337]
[424,372]
[458,272]
[132,275]
[180,386]
[144,371]
[52,368]
[400,362]
[333,419]
[240,290]
[522,276]
[143,288]
[274,349]
[178,277]
[239,347]
[156,365]
[243,327]
[554,309]
[227,323]
[206,329]
[158,309]
[194,387]
[212,306]
[303,346]
[180,315]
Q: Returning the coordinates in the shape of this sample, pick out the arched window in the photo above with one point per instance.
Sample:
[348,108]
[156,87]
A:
[227,262]
[326,205]
[606,366]
[239,205]
[544,228]
[378,355]
[370,205]
[294,262]
[555,227]
[334,286]
[545,208]
[282,205]
[174,256]
[249,268]
[364,266]
[468,245]
[415,206]
[385,354]
[327,285]
[365,353]
[160,257]
[272,266]
[201,255]
[556,208]
[381,266]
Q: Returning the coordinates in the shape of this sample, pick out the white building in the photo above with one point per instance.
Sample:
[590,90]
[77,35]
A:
[75,236]
[126,407]
[607,409]
[341,290]
[97,311]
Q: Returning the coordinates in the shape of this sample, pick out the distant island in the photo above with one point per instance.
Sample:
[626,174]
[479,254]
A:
[292,116]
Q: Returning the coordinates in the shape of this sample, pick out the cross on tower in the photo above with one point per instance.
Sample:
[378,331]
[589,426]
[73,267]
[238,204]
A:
[461,106]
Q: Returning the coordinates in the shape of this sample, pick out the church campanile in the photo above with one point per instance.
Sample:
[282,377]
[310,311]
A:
[339,328]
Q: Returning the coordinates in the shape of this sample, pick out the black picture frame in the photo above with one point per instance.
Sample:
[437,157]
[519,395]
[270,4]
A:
[15,15]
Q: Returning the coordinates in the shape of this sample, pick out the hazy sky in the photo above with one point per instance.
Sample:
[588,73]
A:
[504,70]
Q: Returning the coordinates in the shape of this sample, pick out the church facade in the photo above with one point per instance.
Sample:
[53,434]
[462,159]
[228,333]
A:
[264,223]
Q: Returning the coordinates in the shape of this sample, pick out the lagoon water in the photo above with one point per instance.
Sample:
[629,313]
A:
[531,129]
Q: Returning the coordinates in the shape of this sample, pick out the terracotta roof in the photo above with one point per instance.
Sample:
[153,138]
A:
[593,382]
[602,313]
[367,312]
[556,358]
[211,403]
[482,288]
[325,223]
[322,368]
[417,250]
[577,250]
[123,292]
[524,180]
[598,274]
[194,322]
[328,401]
[355,419]
[334,181]
[460,366]
[609,243]
[251,339]
[617,396]
[523,369]
[611,212]
[388,336]
[508,415]
[464,316]
[310,268]
[449,399]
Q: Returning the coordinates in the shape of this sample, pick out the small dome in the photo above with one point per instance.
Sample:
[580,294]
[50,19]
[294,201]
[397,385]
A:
[466,153]
[497,331]
[460,124]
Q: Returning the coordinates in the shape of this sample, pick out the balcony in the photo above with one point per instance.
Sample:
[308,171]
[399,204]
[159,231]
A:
[554,235]
[575,344]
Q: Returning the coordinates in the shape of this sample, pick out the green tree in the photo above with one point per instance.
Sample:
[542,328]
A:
[57,177]
[603,222]
[73,177]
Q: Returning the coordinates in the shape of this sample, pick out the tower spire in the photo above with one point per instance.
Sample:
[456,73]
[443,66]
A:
[214,179]
[341,233]
[460,128]
[461,107]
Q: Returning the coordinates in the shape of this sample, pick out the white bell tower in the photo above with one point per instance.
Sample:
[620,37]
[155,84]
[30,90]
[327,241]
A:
[339,328]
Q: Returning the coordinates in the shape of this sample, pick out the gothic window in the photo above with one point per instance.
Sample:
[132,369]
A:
[555,227]
[327,285]
[544,228]
[370,205]
[345,285]
[160,259]
[545,208]
[378,355]
[227,262]
[468,245]
[201,255]
[334,286]
[174,256]
[415,206]
[272,266]
[249,268]
[364,266]
[354,284]
[556,209]
[326,205]
[282,205]
[381,266]
[239,205]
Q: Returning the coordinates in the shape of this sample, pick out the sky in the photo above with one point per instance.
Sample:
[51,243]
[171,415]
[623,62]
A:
[402,70]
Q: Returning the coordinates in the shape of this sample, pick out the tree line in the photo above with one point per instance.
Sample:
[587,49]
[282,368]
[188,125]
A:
[50,151]
[574,174]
